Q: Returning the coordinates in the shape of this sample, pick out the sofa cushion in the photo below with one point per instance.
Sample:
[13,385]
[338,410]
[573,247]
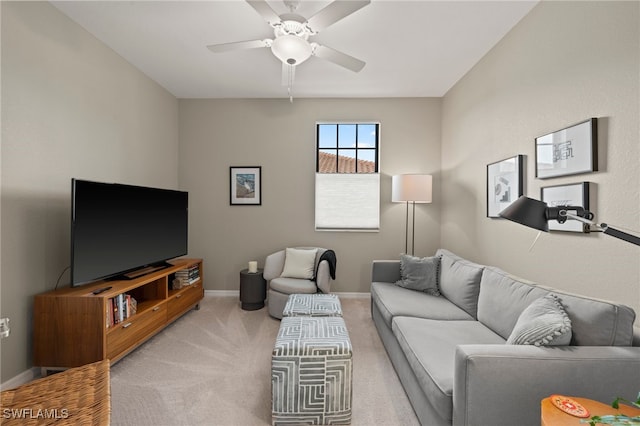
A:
[299,263]
[293,285]
[460,281]
[502,299]
[542,323]
[430,346]
[594,322]
[419,273]
[392,300]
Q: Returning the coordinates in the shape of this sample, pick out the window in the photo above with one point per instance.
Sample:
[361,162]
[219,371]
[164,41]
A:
[347,148]
[347,178]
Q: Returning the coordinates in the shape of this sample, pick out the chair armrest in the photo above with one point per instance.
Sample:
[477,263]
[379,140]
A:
[323,278]
[636,336]
[273,265]
[387,271]
[504,384]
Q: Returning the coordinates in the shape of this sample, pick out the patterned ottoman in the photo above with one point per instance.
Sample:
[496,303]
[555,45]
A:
[311,372]
[314,305]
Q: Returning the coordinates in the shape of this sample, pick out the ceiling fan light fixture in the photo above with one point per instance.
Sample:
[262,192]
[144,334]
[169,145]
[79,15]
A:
[291,49]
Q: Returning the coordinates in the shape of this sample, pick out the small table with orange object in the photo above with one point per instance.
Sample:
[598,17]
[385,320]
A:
[553,416]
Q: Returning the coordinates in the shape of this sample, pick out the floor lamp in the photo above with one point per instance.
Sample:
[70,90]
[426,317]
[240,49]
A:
[411,188]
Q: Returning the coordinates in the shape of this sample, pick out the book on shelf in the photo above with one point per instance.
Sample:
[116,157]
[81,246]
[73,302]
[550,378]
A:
[133,306]
[119,308]
[189,272]
[109,310]
[185,277]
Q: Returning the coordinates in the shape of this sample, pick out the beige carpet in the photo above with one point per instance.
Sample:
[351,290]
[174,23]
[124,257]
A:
[213,367]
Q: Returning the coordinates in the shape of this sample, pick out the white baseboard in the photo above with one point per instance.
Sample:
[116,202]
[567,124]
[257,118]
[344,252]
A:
[222,293]
[353,295]
[22,378]
[236,293]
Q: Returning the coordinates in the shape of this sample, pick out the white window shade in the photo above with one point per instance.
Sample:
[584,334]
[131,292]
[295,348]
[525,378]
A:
[347,202]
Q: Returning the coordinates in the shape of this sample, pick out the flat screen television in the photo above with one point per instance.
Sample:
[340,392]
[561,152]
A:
[117,228]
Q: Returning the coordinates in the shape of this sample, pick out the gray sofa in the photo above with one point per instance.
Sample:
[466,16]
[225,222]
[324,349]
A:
[451,355]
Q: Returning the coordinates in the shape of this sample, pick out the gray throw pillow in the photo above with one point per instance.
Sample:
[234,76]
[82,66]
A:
[420,273]
[543,323]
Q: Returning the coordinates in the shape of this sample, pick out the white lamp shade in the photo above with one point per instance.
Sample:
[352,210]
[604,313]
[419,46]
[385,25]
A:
[412,187]
[291,49]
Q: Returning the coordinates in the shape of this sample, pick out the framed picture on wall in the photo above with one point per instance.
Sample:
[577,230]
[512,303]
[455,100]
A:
[505,183]
[246,185]
[576,194]
[568,151]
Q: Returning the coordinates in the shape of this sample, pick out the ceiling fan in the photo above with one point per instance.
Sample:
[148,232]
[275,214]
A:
[291,44]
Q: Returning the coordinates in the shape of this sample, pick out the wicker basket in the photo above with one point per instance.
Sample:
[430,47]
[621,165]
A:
[78,396]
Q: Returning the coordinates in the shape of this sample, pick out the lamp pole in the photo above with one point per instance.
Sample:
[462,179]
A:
[603,227]
[413,229]
[406,230]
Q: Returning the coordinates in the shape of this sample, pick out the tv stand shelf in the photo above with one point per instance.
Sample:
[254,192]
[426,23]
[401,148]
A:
[73,326]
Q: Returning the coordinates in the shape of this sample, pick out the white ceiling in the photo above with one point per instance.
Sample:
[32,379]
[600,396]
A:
[417,48]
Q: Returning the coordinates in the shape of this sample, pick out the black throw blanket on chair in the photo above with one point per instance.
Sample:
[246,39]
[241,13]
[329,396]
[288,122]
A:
[329,256]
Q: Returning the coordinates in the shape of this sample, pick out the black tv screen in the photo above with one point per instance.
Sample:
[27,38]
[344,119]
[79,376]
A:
[118,228]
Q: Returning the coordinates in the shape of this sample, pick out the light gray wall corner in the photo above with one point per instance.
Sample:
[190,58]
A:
[71,107]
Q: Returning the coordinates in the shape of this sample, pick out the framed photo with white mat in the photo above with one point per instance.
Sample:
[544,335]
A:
[245,185]
[575,194]
[505,183]
[569,151]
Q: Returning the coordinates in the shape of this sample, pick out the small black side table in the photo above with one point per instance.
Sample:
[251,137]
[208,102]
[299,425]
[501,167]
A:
[253,290]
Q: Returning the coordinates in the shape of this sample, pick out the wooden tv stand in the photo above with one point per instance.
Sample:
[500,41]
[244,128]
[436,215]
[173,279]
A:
[71,325]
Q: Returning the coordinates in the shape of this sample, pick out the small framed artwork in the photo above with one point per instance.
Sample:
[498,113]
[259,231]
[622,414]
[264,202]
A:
[576,194]
[568,151]
[505,183]
[246,185]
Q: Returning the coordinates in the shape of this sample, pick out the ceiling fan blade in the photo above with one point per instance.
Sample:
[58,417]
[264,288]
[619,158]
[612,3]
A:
[342,59]
[263,8]
[238,45]
[288,74]
[334,12]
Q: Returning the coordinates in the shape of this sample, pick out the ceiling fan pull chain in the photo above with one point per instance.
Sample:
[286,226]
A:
[288,71]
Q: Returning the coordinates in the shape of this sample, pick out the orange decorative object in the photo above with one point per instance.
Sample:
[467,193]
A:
[569,406]
[552,415]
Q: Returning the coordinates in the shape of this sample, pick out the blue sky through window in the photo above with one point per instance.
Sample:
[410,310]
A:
[344,135]
[355,141]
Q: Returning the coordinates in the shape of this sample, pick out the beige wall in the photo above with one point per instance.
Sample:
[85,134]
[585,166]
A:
[280,137]
[564,62]
[71,107]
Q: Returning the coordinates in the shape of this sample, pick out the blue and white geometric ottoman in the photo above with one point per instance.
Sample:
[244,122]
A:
[311,372]
[313,305]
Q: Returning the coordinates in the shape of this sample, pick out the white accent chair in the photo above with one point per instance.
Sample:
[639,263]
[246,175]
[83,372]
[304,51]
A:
[279,288]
